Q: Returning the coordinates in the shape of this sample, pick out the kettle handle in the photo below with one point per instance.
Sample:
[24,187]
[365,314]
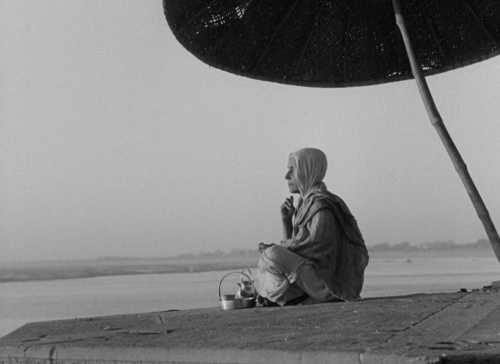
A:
[249,271]
[251,280]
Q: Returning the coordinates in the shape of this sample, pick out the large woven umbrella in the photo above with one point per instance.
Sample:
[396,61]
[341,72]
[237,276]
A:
[342,43]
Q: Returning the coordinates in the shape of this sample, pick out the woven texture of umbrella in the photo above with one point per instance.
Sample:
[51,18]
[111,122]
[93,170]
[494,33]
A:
[334,43]
[341,43]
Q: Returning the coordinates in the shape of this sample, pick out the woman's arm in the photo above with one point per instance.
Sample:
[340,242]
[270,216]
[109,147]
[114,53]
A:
[287,229]
[287,211]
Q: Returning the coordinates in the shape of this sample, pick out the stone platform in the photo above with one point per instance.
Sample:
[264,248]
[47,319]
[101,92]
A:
[459,327]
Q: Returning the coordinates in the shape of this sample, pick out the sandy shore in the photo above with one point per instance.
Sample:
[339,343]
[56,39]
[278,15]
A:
[41,271]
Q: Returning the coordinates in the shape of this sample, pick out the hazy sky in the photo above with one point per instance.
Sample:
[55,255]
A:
[114,140]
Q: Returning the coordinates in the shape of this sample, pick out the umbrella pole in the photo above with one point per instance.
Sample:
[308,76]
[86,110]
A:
[452,150]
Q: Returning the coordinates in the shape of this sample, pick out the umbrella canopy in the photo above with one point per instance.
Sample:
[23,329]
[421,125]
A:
[334,43]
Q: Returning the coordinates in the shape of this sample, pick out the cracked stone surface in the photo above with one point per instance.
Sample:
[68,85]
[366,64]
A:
[455,328]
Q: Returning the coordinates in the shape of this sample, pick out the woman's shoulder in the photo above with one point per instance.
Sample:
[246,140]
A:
[321,204]
[325,199]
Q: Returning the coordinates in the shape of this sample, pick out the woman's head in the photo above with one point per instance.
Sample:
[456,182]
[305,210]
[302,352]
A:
[306,169]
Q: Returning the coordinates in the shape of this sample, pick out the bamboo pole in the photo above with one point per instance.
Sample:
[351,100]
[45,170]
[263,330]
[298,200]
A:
[437,122]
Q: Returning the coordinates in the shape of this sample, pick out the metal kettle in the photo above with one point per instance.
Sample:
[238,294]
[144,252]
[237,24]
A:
[245,287]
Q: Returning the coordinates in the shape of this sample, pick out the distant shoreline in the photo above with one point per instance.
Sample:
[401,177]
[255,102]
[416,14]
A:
[105,267]
[51,276]
[91,269]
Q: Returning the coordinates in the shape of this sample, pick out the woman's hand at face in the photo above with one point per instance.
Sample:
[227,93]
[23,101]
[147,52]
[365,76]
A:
[287,209]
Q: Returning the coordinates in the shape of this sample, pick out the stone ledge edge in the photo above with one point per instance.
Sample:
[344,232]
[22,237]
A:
[119,355]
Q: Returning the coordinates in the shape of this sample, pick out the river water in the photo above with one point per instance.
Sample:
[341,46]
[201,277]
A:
[23,302]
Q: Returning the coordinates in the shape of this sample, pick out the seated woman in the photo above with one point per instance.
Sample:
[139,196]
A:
[323,256]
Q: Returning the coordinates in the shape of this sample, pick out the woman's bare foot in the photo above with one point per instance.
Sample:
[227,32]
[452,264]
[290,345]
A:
[265,302]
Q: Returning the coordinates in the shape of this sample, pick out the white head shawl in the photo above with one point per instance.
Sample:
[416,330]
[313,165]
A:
[310,166]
